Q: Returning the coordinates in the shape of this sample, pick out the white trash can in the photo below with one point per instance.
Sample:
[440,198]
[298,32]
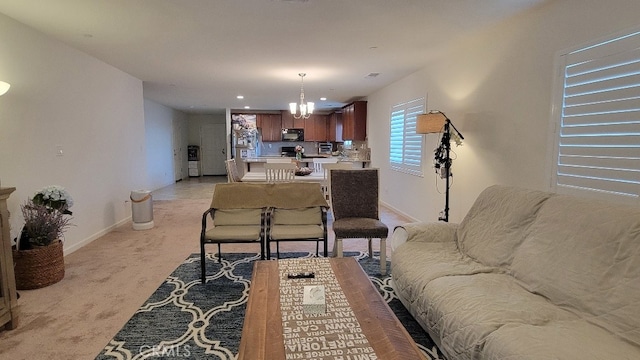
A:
[142,209]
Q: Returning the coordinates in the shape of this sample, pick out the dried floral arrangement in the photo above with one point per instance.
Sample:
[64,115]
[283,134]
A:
[45,217]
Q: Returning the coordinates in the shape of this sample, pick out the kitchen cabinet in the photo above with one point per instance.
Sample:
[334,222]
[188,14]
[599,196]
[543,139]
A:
[321,127]
[270,126]
[289,122]
[8,295]
[335,127]
[315,128]
[354,121]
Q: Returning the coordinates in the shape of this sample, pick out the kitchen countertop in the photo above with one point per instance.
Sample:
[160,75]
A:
[261,159]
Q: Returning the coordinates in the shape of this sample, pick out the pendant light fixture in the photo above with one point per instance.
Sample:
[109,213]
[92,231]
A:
[305,109]
[4,87]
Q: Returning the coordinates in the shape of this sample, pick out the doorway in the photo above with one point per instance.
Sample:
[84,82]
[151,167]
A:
[178,151]
[214,149]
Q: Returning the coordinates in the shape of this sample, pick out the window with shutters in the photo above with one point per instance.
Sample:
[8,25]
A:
[597,147]
[405,147]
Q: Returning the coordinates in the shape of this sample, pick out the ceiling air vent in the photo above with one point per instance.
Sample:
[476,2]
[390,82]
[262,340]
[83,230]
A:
[371,75]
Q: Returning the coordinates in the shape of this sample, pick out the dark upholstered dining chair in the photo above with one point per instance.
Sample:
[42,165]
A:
[354,201]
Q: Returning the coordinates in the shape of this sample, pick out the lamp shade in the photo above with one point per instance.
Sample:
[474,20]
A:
[432,122]
[4,87]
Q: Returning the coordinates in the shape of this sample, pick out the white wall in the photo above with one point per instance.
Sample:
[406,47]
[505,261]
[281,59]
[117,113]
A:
[496,88]
[159,127]
[495,85]
[60,97]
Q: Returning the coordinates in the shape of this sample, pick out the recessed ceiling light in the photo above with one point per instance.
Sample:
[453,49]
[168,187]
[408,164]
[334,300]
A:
[323,99]
[239,97]
[247,107]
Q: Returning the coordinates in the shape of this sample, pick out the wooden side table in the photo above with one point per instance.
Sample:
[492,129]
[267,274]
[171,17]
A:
[8,296]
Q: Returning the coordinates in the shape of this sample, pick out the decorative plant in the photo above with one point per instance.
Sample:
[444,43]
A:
[54,197]
[44,217]
[299,151]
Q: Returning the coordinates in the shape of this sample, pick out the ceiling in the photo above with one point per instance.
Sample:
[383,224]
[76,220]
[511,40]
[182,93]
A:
[198,55]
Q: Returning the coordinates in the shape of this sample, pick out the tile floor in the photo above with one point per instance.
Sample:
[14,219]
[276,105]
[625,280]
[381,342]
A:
[190,188]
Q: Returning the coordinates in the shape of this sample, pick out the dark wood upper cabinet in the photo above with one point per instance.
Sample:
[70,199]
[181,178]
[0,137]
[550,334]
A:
[270,126]
[335,127]
[315,128]
[322,127]
[354,121]
[288,121]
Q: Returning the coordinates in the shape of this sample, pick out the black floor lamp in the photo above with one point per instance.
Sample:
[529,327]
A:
[438,122]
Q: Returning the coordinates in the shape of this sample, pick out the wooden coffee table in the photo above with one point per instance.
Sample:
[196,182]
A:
[262,333]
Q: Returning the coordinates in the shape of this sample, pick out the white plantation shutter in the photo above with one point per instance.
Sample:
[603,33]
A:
[598,147]
[405,146]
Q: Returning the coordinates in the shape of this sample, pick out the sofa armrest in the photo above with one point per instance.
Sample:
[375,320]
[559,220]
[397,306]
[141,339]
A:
[425,232]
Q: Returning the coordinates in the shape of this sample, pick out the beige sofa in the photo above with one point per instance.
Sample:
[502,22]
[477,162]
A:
[525,275]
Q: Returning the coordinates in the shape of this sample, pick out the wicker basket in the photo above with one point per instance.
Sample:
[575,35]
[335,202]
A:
[39,267]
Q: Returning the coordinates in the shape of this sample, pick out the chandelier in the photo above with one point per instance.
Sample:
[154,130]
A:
[305,109]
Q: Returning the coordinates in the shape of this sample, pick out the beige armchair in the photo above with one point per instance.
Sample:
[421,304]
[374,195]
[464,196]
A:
[241,213]
[228,226]
[299,224]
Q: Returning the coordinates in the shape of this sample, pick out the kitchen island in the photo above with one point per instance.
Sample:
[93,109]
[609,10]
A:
[256,164]
[256,176]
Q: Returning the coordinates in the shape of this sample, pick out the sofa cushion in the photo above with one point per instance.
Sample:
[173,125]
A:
[568,340]
[464,310]
[304,216]
[421,262]
[359,228]
[233,233]
[291,232]
[497,223]
[238,217]
[584,255]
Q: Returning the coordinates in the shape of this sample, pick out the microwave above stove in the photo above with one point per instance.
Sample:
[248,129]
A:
[292,134]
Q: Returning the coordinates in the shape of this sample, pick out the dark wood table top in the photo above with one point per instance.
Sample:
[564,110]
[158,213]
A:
[262,334]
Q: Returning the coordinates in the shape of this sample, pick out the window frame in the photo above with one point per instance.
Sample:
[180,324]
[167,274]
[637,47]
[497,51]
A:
[408,156]
[579,143]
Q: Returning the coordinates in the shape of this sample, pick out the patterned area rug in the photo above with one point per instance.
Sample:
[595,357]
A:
[185,319]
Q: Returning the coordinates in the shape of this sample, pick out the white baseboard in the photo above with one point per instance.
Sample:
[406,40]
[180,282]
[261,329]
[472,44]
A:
[399,212]
[69,250]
